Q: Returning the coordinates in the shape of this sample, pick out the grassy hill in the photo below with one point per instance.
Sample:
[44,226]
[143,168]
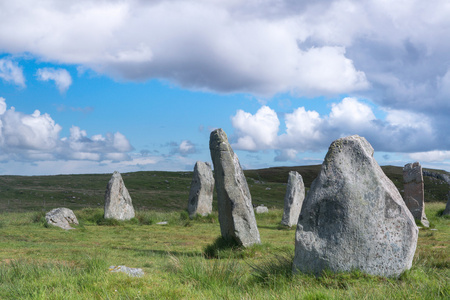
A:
[39,261]
[164,191]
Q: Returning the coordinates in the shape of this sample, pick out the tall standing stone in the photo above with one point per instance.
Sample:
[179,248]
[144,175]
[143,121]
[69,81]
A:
[118,204]
[236,215]
[354,217]
[414,192]
[293,200]
[202,189]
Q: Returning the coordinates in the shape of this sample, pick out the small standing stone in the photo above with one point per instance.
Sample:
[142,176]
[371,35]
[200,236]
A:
[236,215]
[118,204]
[354,217]
[293,200]
[447,207]
[61,217]
[414,192]
[202,189]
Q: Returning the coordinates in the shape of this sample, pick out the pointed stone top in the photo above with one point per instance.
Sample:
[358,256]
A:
[219,141]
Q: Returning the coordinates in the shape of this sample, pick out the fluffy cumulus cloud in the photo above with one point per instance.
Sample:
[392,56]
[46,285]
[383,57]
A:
[36,137]
[11,72]
[256,132]
[307,130]
[61,77]
[222,46]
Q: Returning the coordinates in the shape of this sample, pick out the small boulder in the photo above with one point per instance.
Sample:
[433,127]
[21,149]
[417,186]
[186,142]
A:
[61,217]
[202,189]
[118,204]
[261,209]
[293,200]
[414,192]
[354,217]
[133,272]
[236,215]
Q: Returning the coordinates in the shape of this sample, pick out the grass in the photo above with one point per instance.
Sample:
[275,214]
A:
[38,262]
[187,258]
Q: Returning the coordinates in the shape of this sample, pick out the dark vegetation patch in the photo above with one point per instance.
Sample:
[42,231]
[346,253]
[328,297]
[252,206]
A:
[165,191]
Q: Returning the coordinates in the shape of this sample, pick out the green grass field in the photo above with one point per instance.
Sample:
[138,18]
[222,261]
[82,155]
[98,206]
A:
[42,262]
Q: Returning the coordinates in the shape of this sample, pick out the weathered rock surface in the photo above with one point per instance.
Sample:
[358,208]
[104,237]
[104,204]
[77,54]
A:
[118,204]
[236,215]
[202,189]
[414,192]
[353,217]
[61,217]
[261,209]
[293,200]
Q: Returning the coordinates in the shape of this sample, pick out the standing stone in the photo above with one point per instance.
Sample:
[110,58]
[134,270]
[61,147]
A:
[61,217]
[447,207]
[354,217]
[236,215]
[118,203]
[202,189]
[414,192]
[293,200]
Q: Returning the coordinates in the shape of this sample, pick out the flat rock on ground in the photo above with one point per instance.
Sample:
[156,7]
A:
[61,217]
[354,217]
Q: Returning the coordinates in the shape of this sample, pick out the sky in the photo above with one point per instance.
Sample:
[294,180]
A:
[93,86]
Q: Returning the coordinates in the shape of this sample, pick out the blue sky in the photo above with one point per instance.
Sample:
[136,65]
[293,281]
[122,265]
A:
[97,86]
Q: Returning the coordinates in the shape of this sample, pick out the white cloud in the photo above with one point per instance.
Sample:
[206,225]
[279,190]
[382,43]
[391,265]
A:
[61,77]
[35,136]
[431,156]
[256,132]
[351,114]
[255,53]
[11,72]
[309,131]
[185,148]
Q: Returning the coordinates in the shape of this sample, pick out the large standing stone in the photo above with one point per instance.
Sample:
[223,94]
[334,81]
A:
[236,215]
[354,217]
[414,192]
[61,217]
[118,203]
[202,189]
[293,200]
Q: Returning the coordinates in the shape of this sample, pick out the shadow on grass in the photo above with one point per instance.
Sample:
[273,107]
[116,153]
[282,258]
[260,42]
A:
[220,247]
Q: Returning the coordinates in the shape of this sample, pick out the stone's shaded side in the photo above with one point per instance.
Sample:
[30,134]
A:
[118,204]
[354,217]
[447,207]
[61,217]
[293,200]
[202,189]
[236,215]
[414,192]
